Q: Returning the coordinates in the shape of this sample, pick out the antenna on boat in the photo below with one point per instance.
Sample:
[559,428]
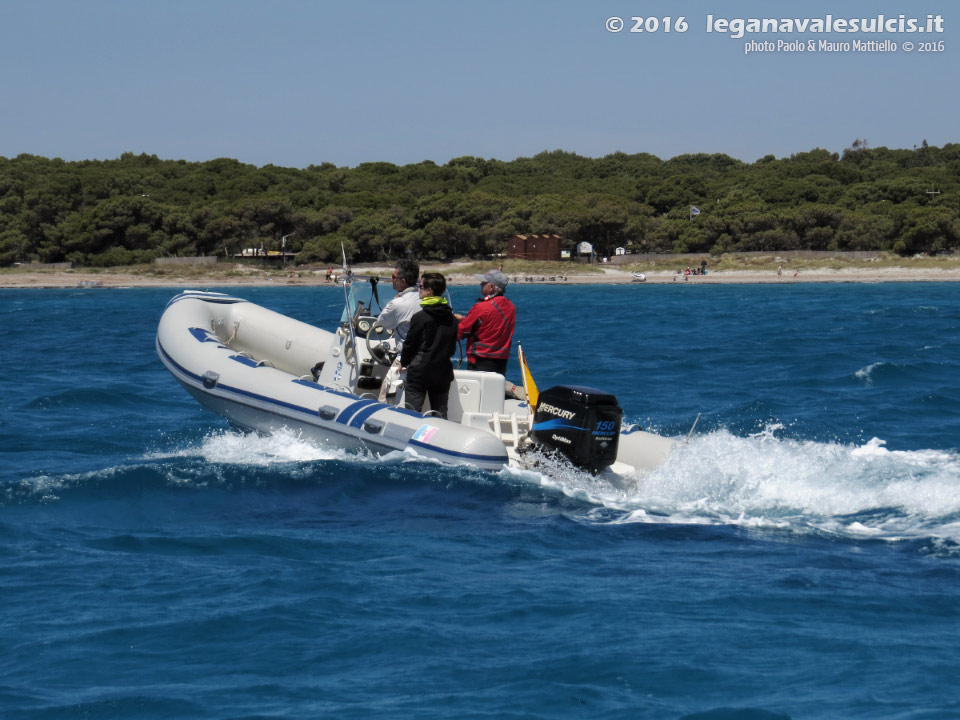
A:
[349,313]
[692,427]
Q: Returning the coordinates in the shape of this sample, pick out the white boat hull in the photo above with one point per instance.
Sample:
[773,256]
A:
[256,368]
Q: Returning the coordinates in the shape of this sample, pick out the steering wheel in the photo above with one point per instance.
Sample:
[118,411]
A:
[376,343]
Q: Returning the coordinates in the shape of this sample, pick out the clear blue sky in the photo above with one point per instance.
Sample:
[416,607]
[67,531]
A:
[301,82]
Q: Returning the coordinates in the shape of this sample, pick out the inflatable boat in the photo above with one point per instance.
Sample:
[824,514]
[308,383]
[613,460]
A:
[264,371]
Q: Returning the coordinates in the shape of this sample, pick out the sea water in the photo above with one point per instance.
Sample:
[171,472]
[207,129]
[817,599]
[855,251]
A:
[797,557]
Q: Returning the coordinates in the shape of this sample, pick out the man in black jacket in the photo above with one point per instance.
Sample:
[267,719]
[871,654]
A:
[431,340]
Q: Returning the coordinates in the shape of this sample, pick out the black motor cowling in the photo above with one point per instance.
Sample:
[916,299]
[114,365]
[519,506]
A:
[582,423]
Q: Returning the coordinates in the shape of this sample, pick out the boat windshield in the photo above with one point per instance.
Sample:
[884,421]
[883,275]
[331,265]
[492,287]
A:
[361,297]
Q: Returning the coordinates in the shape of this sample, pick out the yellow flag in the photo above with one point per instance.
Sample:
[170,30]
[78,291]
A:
[529,386]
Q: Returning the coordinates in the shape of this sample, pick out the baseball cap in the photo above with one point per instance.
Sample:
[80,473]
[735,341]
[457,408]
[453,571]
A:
[494,276]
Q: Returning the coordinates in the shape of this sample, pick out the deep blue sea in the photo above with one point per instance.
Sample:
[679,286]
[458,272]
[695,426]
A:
[798,558]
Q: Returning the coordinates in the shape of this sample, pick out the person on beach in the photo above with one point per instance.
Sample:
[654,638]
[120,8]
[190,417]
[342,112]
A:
[489,325]
[431,340]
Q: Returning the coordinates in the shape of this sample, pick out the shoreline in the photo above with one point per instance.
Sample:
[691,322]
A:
[61,279]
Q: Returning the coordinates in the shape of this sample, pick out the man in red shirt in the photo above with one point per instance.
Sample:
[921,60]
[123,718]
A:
[489,325]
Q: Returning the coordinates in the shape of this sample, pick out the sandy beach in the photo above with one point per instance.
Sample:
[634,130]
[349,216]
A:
[231,276]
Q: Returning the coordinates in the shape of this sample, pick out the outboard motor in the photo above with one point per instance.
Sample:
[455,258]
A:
[582,423]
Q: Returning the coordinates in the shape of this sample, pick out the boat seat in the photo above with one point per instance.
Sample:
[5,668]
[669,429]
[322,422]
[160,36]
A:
[473,391]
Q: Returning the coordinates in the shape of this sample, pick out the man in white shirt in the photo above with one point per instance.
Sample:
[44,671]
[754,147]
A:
[397,313]
[396,316]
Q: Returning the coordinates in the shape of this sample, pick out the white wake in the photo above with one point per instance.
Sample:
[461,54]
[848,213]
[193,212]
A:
[765,481]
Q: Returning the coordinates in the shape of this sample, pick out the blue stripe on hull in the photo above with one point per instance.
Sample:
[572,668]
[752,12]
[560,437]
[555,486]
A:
[348,412]
[361,417]
[496,459]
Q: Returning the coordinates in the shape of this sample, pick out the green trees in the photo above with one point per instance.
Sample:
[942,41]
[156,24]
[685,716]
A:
[138,207]
[926,229]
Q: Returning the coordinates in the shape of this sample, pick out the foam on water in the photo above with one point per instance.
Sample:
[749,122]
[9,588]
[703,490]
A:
[764,481]
[760,481]
[218,459]
[866,372]
[716,478]
[230,447]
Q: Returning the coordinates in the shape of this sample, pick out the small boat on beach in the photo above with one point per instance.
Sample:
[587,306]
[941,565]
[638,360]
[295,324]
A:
[638,277]
[265,371]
